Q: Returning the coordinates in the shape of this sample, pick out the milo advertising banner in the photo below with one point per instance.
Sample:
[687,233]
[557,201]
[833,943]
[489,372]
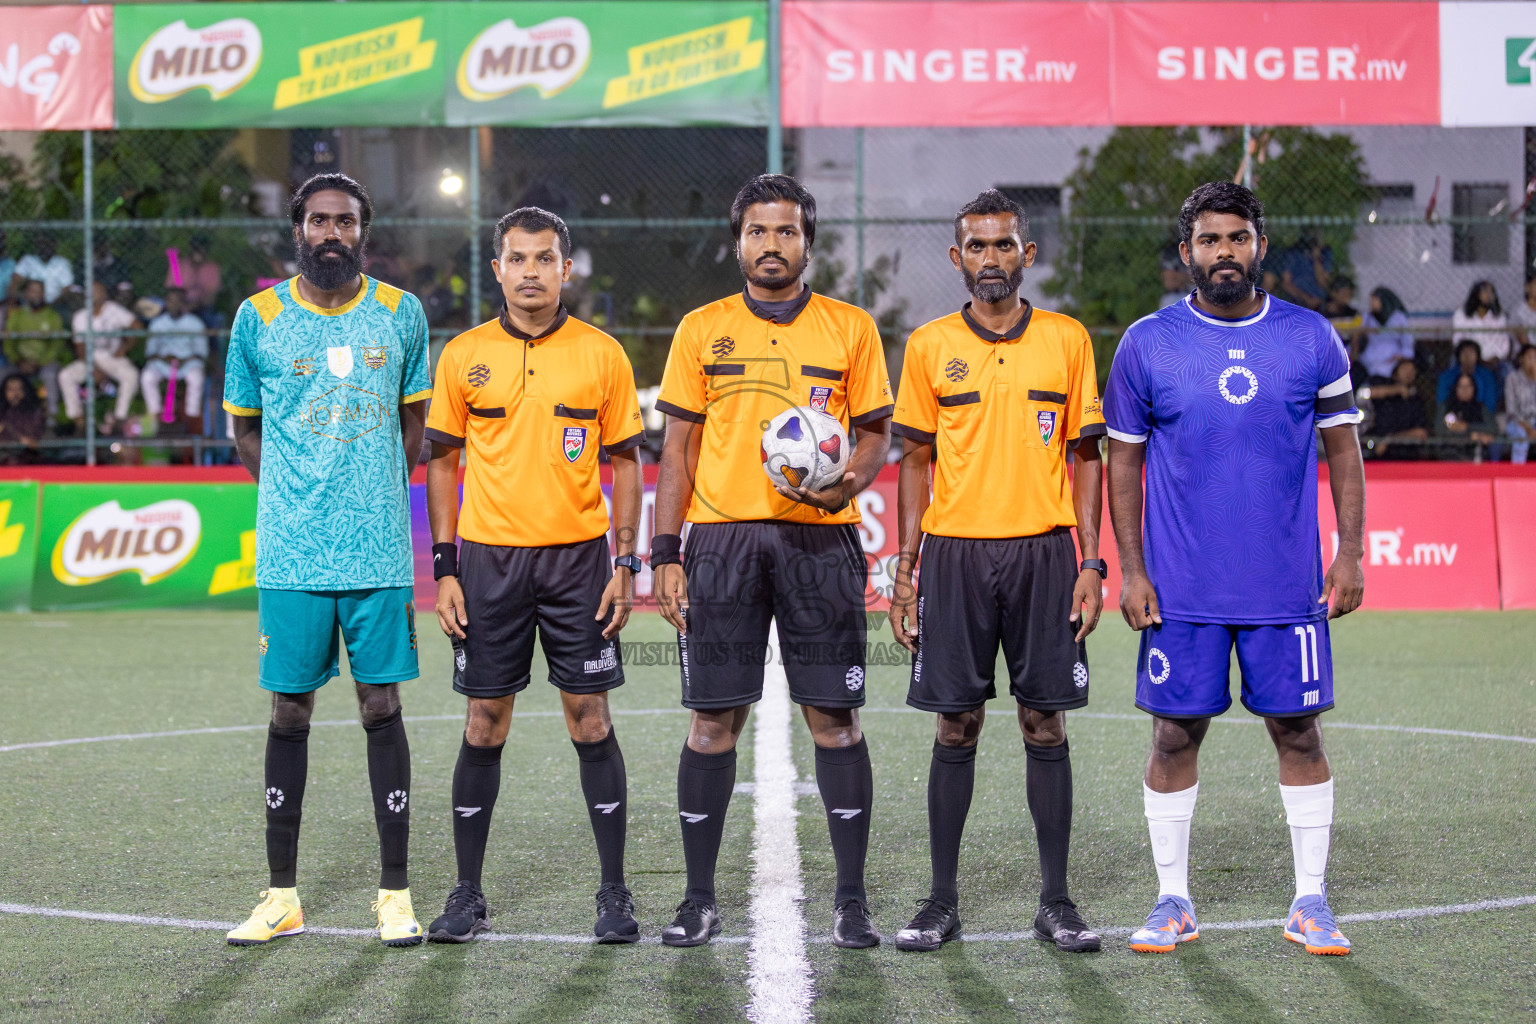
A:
[117,545]
[18,543]
[599,62]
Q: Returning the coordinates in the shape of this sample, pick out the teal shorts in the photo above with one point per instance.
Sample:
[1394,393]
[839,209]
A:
[298,650]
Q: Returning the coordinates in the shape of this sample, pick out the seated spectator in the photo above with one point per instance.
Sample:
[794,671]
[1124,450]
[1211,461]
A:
[21,420]
[1462,415]
[1399,411]
[32,344]
[1469,361]
[107,319]
[44,264]
[1520,404]
[201,278]
[109,270]
[1523,316]
[178,346]
[8,286]
[1481,319]
[1175,276]
[1339,306]
[1305,270]
[1386,341]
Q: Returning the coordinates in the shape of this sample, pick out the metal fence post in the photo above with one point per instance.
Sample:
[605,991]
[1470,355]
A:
[474,225]
[858,212]
[1248,156]
[775,113]
[88,173]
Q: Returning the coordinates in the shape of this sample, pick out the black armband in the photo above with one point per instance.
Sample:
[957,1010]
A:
[445,560]
[666,549]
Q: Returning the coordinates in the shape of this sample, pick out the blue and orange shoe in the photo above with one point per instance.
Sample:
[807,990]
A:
[1171,922]
[1311,923]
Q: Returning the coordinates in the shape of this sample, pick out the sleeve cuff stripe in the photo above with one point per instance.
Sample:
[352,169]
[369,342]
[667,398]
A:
[1352,416]
[874,414]
[1338,387]
[1124,437]
[633,441]
[443,437]
[417,397]
[1337,403]
[679,412]
[240,410]
[913,434]
[1090,430]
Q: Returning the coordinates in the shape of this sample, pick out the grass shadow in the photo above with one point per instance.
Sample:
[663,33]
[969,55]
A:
[696,989]
[341,990]
[435,984]
[982,1001]
[1228,998]
[205,999]
[1091,996]
[853,990]
[585,985]
[1380,1000]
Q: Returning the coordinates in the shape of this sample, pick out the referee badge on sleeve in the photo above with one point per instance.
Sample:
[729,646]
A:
[575,442]
[1047,426]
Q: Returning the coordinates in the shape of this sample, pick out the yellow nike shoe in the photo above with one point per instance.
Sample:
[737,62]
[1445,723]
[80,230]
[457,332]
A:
[276,915]
[397,921]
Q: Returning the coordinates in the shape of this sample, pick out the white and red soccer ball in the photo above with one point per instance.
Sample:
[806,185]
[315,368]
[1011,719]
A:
[804,447]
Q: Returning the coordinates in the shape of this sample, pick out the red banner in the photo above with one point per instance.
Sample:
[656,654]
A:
[1277,63]
[962,64]
[1514,506]
[56,68]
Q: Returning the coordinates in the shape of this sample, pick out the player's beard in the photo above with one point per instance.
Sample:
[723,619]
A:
[776,281]
[993,286]
[330,274]
[1226,293]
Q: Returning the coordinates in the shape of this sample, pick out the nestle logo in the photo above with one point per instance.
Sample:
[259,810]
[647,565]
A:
[956,370]
[722,347]
[479,374]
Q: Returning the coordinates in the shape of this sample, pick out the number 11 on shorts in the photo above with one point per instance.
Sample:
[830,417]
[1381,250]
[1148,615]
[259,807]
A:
[1304,634]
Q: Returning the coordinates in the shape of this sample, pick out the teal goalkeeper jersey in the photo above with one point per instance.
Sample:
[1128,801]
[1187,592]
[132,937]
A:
[333,506]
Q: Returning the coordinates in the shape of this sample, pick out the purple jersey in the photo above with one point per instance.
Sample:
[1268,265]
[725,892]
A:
[1228,411]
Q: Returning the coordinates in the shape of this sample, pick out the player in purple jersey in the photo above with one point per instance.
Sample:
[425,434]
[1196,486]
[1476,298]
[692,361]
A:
[1220,397]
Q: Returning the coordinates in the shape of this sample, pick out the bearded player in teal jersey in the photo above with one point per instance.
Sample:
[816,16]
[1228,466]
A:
[327,380]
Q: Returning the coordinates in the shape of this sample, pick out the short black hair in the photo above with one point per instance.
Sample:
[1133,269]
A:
[533,218]
[1220,197]
[774,188]
[1469,343]
[992,202]
[326,183]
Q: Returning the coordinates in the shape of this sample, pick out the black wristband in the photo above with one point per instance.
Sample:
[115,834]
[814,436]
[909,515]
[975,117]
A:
[666,549]
[445,560]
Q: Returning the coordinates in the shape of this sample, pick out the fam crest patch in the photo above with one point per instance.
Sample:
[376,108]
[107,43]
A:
[819,398]
[956,370]
[574,443]
[478,375]
[1047,426]
[722,347]
[373,356]
[261,644]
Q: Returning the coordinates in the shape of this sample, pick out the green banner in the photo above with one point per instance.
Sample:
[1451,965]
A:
[142,545]
[583,62]
[18,543]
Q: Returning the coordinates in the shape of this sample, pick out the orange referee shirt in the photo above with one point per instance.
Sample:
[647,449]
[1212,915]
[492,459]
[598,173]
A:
[734,366]
[1001,410]
[531,413]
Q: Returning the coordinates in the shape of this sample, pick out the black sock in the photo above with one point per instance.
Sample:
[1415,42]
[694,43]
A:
[951,780]
[389,773]
[287,770]
[476,781]
[1049,785]
[605,786]
[704,785]
[847,790]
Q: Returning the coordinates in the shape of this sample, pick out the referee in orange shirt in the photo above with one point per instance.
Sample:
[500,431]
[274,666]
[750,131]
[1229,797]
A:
[1002,390]
[530,396]
[756,553]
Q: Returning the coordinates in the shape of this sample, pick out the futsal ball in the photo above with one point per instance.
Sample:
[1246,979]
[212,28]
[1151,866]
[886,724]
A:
[805,447]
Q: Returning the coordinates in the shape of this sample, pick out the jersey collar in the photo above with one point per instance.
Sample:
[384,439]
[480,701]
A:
[346,307]
[561,316]
[786,317]
[1013,333]
[1221,321]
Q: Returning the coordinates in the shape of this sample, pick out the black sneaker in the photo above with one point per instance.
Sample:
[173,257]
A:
[695,923]
[463,917]
[850,925]
[933,926]
[616,914]
[1059,922]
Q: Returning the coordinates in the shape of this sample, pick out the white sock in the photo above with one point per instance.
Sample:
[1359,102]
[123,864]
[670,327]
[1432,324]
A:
[1168,817]
[1309,812]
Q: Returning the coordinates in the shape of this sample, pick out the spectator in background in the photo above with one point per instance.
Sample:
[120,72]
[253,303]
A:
[109,270]
[1520,403]
[1387,340]
[44,264]
[21,419]
[177,345]
[201,278]
[1339,306]
[1481,319]
[1469,361]
[9,286]
[1523,316]
[1176,279]
[1305,270]
[1398,408]
[436,297]
[32,342]
[1462,415]
[107,319]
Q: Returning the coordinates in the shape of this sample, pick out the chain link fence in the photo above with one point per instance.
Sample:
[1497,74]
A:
[1424,212]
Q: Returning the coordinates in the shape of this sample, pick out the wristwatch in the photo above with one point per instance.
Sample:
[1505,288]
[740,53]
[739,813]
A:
[1098,565]
[630,562]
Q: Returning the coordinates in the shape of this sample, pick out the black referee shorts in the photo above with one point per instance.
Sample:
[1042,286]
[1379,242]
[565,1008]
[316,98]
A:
[808,579]
[973,594]
[508,591]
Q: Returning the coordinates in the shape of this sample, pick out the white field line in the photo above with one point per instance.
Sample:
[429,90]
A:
[779,975]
